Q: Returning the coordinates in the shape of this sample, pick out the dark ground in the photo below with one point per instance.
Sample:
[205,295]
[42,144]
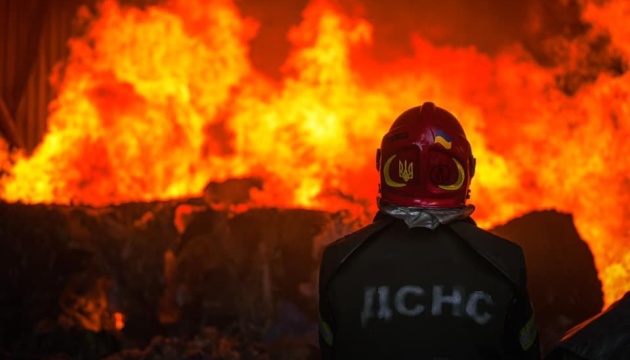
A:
[197,283]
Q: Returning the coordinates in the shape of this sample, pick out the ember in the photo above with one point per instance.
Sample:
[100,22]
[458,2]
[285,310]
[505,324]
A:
[120,321]
[156,102]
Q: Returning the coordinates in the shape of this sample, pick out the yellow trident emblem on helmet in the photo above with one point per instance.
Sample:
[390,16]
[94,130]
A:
[405,171]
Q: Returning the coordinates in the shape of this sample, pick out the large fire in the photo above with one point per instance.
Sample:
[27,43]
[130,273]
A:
[156,102]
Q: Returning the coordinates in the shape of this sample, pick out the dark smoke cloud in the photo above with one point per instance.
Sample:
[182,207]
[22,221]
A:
[489,25]
[545,28]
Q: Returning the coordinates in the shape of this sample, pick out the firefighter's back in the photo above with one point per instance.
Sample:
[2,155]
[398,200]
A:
[418,294]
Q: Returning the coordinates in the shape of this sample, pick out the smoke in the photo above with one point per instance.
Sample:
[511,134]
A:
[552,32]
[6,157]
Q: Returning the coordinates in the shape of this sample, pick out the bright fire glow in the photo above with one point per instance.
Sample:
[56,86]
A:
[119,320]
[156,102]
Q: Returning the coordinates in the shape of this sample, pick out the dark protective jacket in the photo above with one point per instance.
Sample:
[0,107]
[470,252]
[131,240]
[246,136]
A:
[605,336]
[389,291]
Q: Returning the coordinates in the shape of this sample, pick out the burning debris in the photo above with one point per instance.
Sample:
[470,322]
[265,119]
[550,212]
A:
[231,193]
[210,344]
[114,276]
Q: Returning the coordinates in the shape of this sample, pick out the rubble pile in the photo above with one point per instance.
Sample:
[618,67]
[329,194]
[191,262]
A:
[563,282]
[209,344]
[92,281]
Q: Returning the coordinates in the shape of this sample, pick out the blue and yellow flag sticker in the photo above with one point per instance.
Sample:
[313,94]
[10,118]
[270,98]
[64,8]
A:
[443,139]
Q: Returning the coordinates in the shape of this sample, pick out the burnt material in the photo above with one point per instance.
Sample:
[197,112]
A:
[603,337]
[170,268]
[562,278]
[65,271]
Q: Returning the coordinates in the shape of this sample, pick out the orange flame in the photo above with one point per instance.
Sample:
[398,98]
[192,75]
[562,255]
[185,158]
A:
[155,103]
[119,320]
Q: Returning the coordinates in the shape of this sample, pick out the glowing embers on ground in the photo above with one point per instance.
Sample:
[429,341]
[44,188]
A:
[154,103]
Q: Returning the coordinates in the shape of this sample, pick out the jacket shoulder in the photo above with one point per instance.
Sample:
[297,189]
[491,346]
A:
[503,254]
[496,241]
[343,247]
[337,252]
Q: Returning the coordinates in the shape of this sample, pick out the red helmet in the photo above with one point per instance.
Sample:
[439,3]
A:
[425,160]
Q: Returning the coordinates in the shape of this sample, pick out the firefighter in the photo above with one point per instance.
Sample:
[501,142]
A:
[423,281]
